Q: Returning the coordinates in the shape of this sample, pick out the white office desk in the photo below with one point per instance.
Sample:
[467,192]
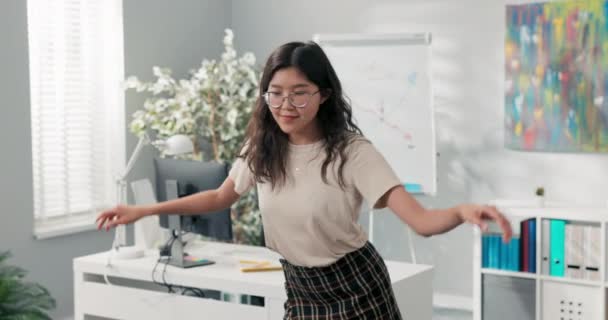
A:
[135,296]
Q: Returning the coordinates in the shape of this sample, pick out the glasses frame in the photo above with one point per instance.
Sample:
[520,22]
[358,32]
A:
[288,97]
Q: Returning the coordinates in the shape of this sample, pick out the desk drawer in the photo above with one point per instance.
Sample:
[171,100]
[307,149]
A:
[118,302]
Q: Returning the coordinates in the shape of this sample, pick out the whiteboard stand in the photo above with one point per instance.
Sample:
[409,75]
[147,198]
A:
[408,230]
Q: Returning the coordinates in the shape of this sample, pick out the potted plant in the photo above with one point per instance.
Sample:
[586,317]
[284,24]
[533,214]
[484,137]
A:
[213,107]
[19,299]
[540,196]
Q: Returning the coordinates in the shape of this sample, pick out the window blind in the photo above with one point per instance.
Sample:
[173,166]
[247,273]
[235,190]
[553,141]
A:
[77,105]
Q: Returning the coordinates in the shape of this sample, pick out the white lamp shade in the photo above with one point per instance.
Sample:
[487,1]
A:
[178,144]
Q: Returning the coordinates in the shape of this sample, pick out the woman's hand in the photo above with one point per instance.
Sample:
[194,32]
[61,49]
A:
[120,214]
[477,215]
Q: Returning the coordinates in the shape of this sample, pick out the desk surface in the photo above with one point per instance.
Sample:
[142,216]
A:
[224,275]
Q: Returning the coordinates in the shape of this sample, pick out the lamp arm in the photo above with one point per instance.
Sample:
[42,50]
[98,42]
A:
[143,140]
[120,236]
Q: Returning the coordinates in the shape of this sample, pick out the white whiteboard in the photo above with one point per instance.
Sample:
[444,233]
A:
[388,79]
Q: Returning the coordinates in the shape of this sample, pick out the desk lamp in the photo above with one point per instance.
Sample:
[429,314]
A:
[174,145]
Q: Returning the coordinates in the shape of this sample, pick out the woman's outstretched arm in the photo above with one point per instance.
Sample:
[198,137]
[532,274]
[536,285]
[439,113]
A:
[206,201]
[436,221]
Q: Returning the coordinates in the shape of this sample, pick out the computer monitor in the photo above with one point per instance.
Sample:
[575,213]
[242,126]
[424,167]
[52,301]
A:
[178,178]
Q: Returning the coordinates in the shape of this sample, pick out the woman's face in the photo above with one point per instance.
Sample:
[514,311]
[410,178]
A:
[294,120]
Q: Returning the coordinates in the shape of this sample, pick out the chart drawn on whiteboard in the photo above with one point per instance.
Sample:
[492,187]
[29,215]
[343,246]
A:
[388,84]
[399,132]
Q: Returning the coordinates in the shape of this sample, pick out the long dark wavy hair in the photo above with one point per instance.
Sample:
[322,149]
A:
[267,145]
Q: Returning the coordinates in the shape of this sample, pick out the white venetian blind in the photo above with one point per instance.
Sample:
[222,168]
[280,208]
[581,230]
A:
[76,67]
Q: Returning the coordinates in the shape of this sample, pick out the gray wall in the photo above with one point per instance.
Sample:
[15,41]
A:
[48,261]
[468,40]
[175,34]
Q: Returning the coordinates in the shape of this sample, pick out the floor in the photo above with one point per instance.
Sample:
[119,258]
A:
[443,314]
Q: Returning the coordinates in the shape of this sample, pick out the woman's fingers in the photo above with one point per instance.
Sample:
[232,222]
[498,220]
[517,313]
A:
[116,221]
[101,220]
[477,220]
[105,217]
[116,216]
[504,224]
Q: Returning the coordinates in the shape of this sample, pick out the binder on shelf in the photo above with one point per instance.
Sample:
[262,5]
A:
[591,252]
[545,245]
[528,245]
[525,247]
[491,251]
[532,245]
[573,250]
[508,255]
[504,254]
[485,245]
[514,254]
[495,252]
[558,229]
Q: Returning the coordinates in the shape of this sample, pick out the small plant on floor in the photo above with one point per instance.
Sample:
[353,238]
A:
[19,299]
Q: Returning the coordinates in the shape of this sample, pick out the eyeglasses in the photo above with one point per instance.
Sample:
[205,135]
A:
[297,99]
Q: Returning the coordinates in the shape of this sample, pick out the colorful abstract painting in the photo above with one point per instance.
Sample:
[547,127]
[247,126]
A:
[556,67]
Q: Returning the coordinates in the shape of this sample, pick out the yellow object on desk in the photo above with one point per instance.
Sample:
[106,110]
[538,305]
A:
[258,266]
[261,268]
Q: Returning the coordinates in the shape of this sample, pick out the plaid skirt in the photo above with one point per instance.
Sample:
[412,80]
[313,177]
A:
[357,286]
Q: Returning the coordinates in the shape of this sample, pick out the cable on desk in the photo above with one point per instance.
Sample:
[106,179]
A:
[171,287]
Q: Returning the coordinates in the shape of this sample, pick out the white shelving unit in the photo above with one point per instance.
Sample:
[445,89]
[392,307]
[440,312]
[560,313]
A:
[556,298]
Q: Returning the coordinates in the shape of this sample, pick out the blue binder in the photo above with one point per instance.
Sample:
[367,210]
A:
[557,248]
[504,254]
[485,246]
[515,254]
[494,252]
[532,245]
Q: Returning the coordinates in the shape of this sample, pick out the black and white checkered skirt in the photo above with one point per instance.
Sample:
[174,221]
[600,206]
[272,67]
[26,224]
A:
[357,286]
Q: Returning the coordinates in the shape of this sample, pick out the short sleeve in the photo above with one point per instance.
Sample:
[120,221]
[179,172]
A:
[372,175]
[242,176]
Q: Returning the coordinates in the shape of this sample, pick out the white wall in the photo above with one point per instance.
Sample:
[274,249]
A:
[468,40]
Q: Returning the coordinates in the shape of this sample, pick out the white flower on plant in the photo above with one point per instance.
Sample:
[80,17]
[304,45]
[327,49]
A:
[149,105]
[131,82]
[157,71]
[160,85]
[244,90]
[248,59]
[231,117]
[160,105]
[228,37]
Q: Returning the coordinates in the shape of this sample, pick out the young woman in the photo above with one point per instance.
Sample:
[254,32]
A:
[313,168]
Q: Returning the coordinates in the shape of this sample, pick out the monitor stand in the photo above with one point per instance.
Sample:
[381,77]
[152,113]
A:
[177,257]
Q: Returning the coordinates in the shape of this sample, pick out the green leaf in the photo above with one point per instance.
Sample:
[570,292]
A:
[20,299]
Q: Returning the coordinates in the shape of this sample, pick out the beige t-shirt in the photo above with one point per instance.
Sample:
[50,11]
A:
[309,222]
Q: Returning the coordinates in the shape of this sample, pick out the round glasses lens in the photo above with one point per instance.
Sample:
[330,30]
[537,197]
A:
[299,99]
[274,100]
